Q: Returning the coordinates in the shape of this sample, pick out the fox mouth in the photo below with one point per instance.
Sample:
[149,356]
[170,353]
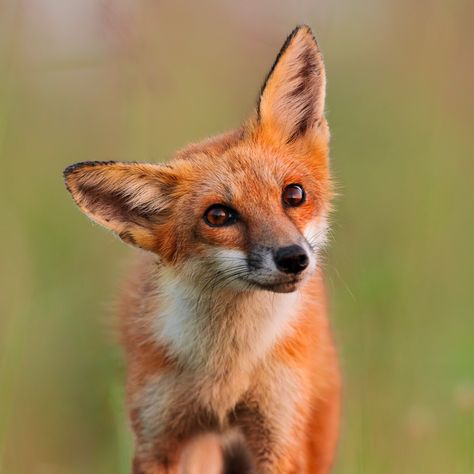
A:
[286,286]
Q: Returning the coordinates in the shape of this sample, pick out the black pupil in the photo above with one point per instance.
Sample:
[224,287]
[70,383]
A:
[293,195]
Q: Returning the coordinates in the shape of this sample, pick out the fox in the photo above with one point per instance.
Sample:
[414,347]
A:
[231,365]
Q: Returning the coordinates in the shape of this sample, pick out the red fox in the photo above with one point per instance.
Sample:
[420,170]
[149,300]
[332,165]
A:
[231,365]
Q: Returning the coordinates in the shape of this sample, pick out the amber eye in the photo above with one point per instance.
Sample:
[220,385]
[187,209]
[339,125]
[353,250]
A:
[293,195]
[219,215]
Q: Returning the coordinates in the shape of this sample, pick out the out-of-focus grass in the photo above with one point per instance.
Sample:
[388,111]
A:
[136,82]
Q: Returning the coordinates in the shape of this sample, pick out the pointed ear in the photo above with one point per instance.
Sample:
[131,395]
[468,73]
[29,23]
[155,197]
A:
[130,199]
[291,102]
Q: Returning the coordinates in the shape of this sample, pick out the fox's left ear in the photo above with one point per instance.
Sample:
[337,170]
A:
[291,103]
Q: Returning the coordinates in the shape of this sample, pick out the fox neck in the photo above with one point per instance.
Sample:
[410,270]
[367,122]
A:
[222,330]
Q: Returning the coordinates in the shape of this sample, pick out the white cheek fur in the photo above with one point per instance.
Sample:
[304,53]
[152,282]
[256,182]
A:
[229,259]
[316,233]
[177,323]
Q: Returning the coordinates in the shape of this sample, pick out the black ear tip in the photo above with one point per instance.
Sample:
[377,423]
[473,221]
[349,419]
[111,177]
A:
[304,30]
[300,31]
[82,164]
[303,27]
[69,169]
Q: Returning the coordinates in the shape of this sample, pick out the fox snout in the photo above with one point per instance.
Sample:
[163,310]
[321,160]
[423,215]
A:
[281,268]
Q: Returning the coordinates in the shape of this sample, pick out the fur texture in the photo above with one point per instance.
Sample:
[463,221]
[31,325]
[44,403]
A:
[229,353]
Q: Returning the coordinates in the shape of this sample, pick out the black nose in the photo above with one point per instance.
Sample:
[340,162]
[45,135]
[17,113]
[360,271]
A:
[291,259]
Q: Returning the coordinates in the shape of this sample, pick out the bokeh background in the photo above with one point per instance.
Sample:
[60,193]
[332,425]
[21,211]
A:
[135,80]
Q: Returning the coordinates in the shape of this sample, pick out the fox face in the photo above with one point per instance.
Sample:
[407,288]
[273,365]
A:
[246,210]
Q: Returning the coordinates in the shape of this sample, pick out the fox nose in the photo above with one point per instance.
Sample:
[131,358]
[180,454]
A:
[291,259]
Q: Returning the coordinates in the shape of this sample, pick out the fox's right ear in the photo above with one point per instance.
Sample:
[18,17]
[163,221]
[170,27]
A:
[291,103]
[131,199]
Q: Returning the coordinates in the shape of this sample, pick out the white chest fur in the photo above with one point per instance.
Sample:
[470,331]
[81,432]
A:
[220,338]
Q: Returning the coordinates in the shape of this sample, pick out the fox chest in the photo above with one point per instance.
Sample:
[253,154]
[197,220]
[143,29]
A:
[181,404]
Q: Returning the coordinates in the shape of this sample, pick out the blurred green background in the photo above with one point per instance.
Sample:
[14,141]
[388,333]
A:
[135,80]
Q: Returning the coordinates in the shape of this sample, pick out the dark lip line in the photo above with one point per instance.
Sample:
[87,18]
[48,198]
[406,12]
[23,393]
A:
[274,285]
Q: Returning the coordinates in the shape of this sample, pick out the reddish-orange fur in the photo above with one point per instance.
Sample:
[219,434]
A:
[206,359]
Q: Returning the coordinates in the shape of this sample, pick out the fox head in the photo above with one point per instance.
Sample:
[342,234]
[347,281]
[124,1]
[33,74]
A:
[245,210]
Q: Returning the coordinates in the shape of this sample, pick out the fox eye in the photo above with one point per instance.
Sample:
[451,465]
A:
[219,216]
[293,195]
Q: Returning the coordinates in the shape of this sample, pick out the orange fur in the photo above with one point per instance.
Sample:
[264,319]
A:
[220,336]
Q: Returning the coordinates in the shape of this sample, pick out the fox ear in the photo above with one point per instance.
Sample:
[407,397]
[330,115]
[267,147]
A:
[131,199]
[291,101]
